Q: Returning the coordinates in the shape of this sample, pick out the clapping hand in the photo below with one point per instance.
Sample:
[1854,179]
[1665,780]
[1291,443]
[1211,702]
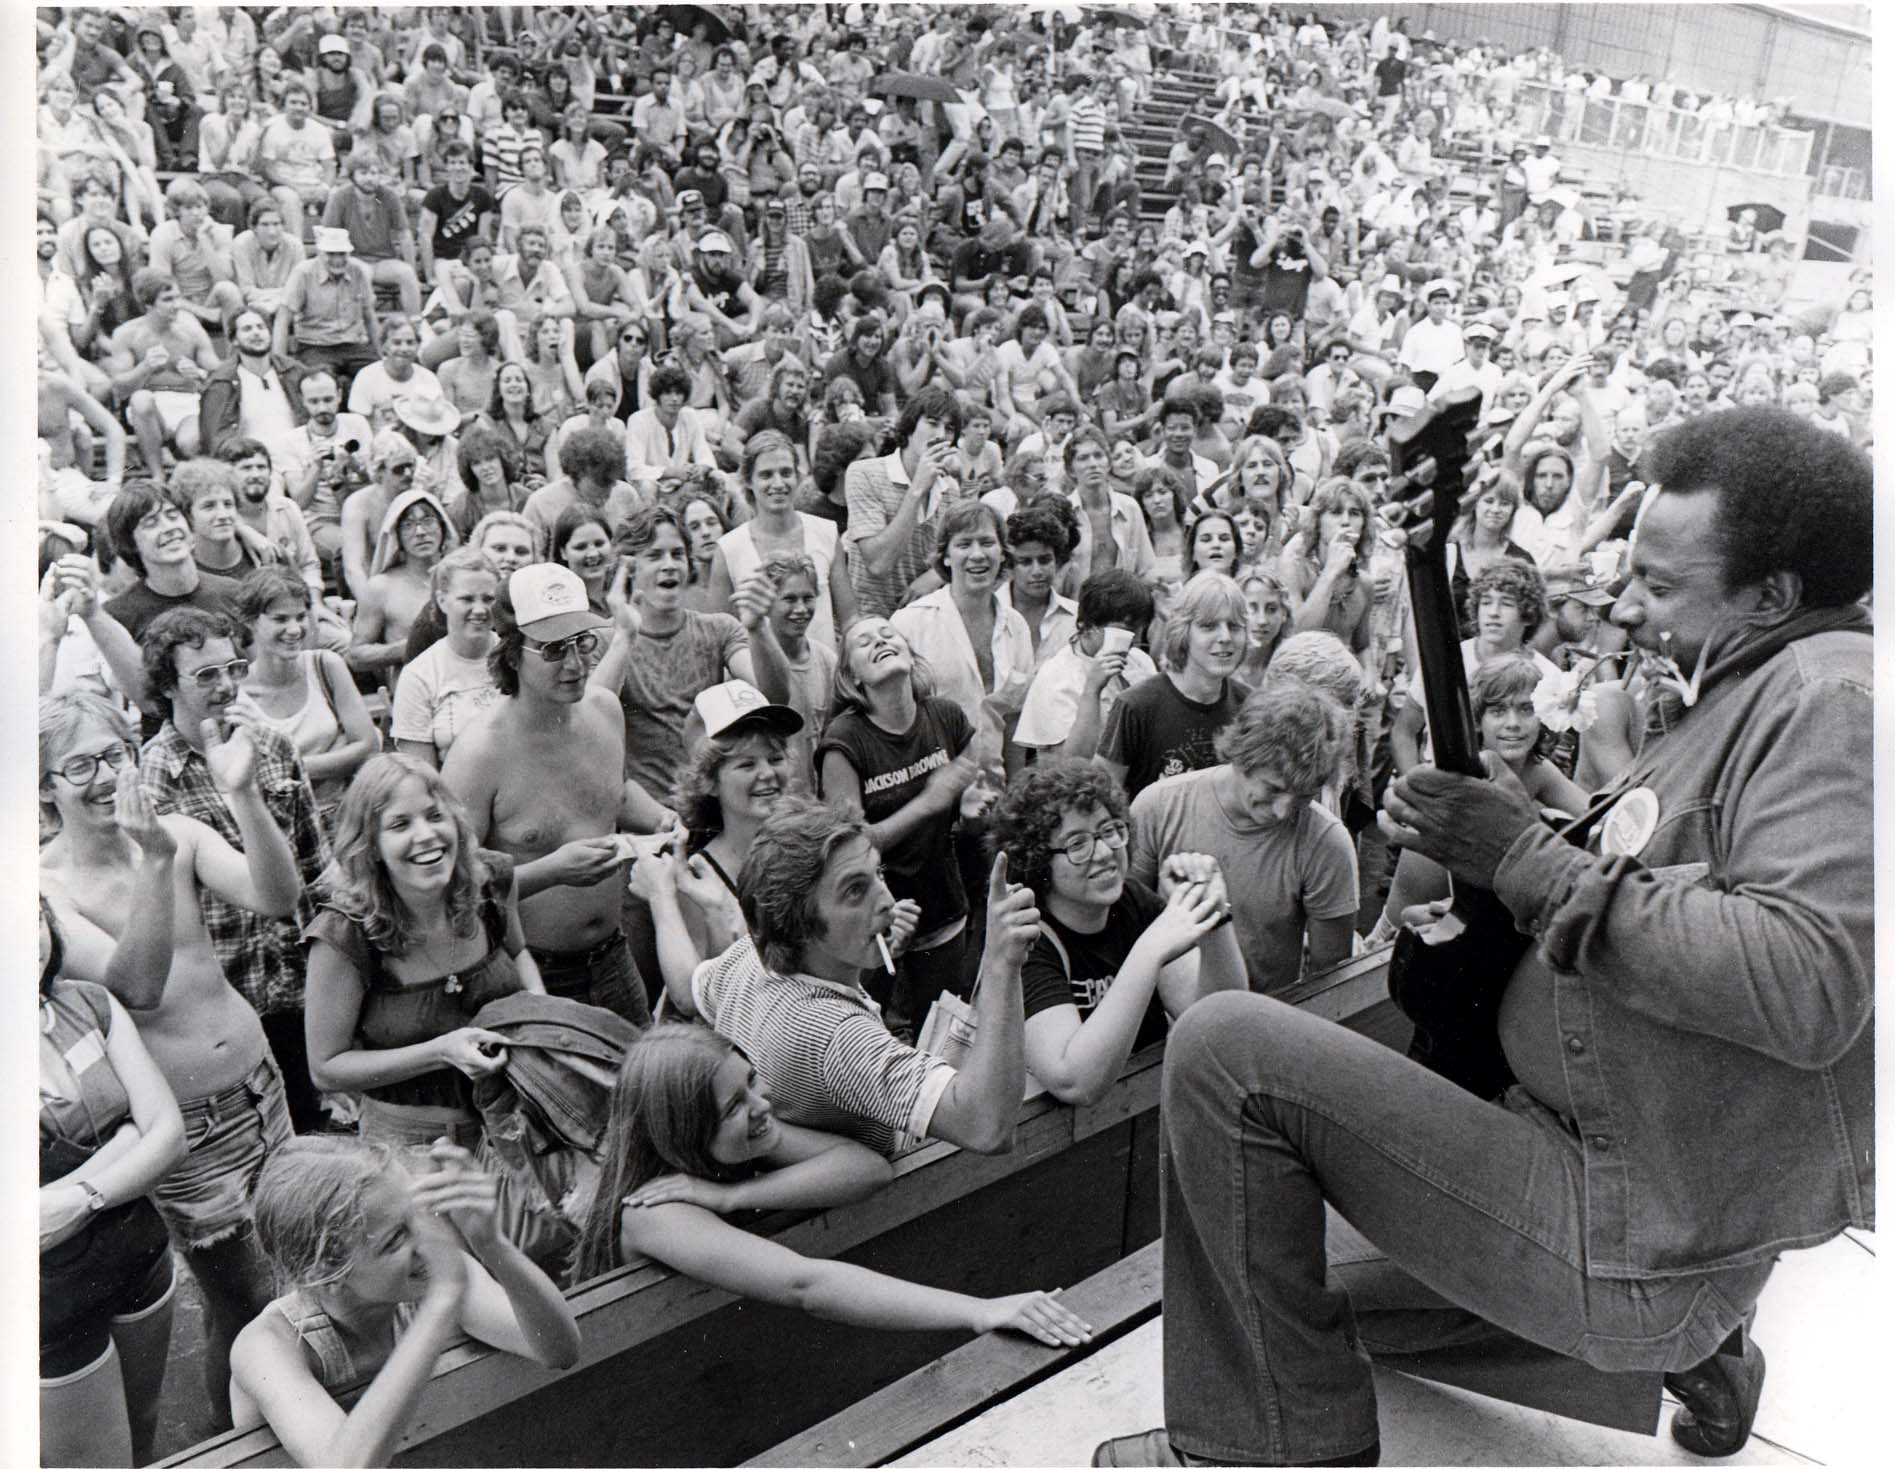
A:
[621,600]
[131,809]
[459,1191]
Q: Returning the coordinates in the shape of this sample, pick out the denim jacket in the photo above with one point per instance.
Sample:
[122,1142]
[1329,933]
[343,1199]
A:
[1714,993]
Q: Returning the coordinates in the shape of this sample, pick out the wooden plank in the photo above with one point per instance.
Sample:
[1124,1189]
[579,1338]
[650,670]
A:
[628,1307]
[966,1382]
[732,1383]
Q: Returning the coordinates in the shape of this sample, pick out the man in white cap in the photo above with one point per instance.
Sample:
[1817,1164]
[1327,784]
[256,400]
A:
[375,215]
[868,223]
[714,285]
[542,779]
[1587,323]
[328,310]
[1433,344]
[1378,327]
[1477,368]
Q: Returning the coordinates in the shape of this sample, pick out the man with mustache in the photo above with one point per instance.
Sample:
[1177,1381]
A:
[1691,1031]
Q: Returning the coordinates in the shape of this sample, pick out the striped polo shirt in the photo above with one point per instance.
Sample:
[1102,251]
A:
[1088,126]
[822,1050]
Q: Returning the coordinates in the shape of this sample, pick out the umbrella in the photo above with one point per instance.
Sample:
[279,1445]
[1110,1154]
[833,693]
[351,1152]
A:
[907,84]
[1331,107]
[1223,137]
[1769,217]
[1115,15]
[721,22]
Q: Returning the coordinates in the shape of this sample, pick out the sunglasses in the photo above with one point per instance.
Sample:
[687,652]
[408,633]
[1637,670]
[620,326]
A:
[238,669]
[587,643]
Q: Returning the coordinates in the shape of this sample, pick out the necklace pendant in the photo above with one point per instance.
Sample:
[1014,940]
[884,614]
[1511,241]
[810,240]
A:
[454,984]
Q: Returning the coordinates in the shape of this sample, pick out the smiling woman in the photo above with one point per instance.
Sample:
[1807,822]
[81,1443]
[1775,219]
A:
[417,930]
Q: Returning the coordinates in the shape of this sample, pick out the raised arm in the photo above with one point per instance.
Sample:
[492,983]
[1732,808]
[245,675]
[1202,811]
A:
[981,1106]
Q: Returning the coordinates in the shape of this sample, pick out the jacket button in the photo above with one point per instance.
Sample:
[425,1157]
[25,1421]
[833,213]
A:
[1575,1045]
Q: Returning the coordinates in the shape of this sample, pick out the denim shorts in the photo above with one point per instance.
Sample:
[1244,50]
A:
[115,1269]
[206,1198]
[416,1127]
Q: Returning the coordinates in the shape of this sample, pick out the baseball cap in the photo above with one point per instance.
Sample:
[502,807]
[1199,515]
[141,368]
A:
[1438,287]
[715,242]
[1543,141]
[330,46]
[774,205]
[874,182]
[548,602]
[1586,292]
[1197,247]
[725,706]
[1480,330]
[690,199]
[333,241]
[1391,282]
[1402,402]
[1577,584]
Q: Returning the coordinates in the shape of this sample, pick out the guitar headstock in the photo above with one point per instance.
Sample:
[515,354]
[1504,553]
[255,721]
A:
[1439,432]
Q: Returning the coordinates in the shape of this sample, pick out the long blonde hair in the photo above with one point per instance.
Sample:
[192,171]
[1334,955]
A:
[310,1206]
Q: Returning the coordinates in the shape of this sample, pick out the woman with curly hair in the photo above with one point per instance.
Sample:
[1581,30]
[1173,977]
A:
[692,1137]
[382,1272]
[1325,567]
[1114,961]
[417,930]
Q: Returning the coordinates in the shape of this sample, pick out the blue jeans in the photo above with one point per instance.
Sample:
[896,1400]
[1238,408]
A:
[1326,1199]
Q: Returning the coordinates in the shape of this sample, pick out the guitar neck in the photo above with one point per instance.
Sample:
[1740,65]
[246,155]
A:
[1451,733]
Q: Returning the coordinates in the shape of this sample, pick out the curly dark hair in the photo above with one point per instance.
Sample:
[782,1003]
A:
[181,627]
[669,378]
[839,446]
[1040,523]
[594,455]
[480,442]
[1518,581]
[1024,820]
[1791,497]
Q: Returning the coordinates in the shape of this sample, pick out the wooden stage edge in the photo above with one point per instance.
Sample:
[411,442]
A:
[675,1372]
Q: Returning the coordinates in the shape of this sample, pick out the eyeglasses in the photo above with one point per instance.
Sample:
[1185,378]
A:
[206,678]
[586,642]
[81,769]
[1080,846]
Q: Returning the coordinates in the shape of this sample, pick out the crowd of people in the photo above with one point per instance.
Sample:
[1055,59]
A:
[666,530]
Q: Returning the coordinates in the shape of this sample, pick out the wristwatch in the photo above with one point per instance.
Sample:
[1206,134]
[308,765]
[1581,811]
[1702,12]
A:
[95,1201]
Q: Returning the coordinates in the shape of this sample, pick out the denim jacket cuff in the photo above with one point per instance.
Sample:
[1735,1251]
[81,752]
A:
[1537,876]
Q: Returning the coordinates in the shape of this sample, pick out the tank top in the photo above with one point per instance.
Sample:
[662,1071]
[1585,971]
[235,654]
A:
[81,1099]
[819,544]
[825,256]
[314,728]
[330,1359]
[404,1013]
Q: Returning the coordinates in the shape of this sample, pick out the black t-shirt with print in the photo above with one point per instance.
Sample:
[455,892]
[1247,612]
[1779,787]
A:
[1155,731]
[1092,962]
[893,770]
[456,221]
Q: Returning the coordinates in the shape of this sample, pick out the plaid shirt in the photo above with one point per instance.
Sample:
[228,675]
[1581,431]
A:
[262,957]
[798,213]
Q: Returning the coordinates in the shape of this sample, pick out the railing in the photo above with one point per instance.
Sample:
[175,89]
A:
[1657,132]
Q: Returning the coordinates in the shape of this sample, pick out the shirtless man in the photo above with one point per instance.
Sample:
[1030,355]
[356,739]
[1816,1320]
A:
[542,777]
[125,886]
[66,491]
[393,461]
[159,361]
